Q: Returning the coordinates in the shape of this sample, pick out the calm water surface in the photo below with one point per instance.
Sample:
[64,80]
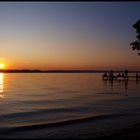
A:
[28,99]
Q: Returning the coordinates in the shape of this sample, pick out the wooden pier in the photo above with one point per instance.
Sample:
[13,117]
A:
[137,78]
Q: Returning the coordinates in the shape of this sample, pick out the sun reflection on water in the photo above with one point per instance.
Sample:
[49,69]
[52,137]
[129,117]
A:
[1,85]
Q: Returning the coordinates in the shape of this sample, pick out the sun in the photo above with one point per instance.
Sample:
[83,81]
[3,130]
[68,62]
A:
[1,66]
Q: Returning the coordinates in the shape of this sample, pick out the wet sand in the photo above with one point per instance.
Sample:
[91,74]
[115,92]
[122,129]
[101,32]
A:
[117,126]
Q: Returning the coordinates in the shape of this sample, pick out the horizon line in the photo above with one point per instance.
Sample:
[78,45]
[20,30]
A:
[60,71]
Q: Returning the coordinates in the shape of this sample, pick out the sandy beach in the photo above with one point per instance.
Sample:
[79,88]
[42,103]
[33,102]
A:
[117,126]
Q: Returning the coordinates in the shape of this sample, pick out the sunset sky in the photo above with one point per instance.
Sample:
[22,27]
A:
[68,35]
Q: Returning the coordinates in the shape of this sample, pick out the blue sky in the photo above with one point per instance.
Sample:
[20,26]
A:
[53,35]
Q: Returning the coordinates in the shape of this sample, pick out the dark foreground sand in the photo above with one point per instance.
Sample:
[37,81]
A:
[126,133]
[116,126]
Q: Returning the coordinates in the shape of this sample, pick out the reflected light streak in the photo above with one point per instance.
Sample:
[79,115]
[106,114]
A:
[1,85]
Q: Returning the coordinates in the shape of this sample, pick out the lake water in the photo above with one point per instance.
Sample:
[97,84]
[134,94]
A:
[37,99]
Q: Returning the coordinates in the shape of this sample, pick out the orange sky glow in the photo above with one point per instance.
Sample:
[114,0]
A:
[53,36]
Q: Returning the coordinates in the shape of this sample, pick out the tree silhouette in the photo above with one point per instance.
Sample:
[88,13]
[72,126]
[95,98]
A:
[136,44]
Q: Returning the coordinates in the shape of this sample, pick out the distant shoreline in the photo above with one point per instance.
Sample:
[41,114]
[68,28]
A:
[62,71]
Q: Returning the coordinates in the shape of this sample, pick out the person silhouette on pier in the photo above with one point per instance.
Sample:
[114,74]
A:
[111,76]
[126,74]
[137,76]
